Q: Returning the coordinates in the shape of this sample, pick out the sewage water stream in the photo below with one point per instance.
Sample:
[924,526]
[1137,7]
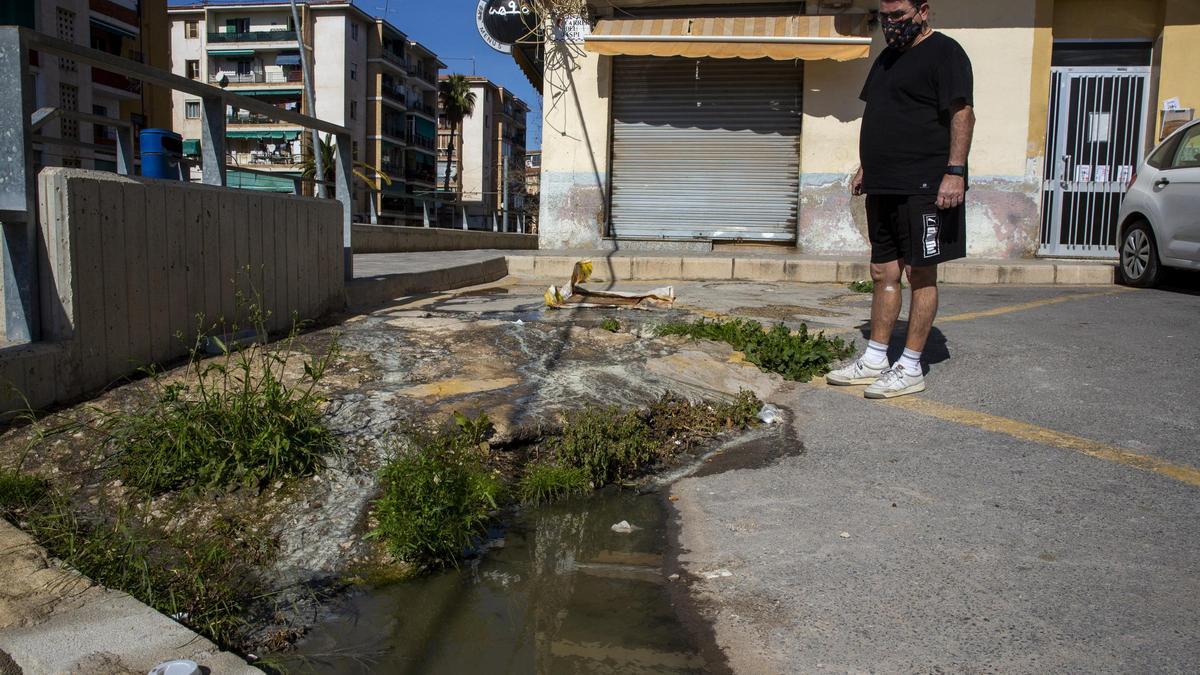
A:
[561,592]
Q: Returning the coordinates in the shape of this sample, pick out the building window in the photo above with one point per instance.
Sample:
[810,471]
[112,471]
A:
[353,110]
[353,71]
[191,29]
[354,31]
[191,110]
[193,69]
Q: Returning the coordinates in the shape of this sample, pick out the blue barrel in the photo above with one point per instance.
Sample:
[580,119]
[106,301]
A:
[162,151]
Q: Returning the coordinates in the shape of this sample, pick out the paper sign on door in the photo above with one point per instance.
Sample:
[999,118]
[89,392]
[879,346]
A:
[1124,173]
[1102,174]
[1083,173]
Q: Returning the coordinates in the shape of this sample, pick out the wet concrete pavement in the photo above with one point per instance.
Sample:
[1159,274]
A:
[1032,512]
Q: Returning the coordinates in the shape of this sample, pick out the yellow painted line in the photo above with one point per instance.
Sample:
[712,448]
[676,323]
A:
[1033,433]
[1020,307]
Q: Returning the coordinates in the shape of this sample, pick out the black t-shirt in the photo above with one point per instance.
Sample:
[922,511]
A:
[905,140]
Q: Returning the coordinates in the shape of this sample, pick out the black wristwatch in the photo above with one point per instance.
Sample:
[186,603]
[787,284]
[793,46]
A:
[960,171]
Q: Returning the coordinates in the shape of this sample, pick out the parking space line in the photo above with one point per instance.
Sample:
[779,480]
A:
[1034,304]
[1033,433]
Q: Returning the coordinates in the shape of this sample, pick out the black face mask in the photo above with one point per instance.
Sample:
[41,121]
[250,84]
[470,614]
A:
[900,34]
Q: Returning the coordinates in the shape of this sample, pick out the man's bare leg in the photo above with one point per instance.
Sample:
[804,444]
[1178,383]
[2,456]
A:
[886,299]
[924,306]
[885,309]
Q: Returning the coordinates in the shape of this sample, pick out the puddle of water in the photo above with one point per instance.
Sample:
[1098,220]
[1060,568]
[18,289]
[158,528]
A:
[564,593]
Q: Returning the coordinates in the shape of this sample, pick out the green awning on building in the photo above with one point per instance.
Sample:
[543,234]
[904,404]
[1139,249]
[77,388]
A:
[231,52]
[267,92]
[254,181]
[191,146]
[265,134]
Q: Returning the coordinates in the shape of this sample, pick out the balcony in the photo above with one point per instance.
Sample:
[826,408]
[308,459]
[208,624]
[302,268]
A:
[424,74]
[257,77]
[116,81]
[264,158]
[254,36]
[246,117]
[113,10]
[393,92]
[417,105]
[421,175]
[393,130]
[393,57]
[418,141]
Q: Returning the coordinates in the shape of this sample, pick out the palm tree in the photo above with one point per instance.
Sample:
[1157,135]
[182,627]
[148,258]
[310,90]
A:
[458,101]
[361,170]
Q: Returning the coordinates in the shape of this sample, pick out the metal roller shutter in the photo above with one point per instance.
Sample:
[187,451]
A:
[706,148]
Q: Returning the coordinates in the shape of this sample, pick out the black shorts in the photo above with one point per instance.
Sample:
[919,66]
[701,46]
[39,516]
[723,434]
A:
[913,229]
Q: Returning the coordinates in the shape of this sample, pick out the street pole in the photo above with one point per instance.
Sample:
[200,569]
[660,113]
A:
[309,96]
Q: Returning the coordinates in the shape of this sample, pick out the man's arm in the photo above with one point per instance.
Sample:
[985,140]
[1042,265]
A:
[962,129]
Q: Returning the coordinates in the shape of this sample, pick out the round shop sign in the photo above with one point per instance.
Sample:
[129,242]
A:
[502,23]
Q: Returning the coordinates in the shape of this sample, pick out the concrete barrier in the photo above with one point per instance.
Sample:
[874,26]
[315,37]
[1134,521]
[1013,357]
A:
[399,239]
[132,268]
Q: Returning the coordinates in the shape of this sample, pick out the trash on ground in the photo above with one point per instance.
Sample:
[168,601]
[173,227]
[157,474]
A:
[624,527]
[573,294]
[770,414]
[844,535]
[673,577]
[673,498]
[717,574]
[519,322]
[181,667]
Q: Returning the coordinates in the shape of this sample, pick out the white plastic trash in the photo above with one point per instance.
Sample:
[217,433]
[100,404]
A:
[624,527]
[770,414]
[180,667]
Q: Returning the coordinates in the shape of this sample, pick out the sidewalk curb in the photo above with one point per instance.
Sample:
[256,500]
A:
[821,271]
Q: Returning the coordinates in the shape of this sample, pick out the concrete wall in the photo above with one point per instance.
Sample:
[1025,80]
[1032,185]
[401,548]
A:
[396,239]
[132,268]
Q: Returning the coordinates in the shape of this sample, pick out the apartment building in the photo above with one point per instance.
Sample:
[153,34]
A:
[133,29]
[488,168]
[367,76]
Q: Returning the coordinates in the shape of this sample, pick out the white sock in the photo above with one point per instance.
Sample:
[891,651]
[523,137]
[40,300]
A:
[876,353]
[911,361]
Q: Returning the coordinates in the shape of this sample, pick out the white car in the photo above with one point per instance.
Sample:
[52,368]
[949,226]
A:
[1160,215]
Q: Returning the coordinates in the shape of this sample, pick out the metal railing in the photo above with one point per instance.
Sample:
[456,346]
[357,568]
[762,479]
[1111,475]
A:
[417,140]
[18,179]
[256,77]
[254,36]
[245,117]
[420,106]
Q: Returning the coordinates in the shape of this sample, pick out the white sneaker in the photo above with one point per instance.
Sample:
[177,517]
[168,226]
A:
[859,372]
[896,381]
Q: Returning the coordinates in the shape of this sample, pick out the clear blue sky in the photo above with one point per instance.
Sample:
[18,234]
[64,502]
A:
[448,28]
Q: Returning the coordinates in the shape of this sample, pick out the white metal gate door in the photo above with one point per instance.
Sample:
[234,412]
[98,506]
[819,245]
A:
[1095,139]
[706,149]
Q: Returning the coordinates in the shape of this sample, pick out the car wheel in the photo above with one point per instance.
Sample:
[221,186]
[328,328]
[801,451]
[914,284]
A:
[1139,256]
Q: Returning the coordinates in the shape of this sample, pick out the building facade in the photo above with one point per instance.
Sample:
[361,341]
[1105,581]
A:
[367,76]
[488,167]
[691,139]
[132,29]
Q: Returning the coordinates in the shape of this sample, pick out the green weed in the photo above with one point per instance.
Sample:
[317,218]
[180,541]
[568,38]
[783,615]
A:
[610,324]
[199,578]
[798,356]
[437,498]
[544,483]
[610,444]
[20,492]
[236,419]
[862,286]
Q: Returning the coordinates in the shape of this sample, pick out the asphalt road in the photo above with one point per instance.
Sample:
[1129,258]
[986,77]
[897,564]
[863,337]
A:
[1035,511]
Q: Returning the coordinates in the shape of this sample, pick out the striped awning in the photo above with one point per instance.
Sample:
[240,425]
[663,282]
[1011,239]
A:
[840,37]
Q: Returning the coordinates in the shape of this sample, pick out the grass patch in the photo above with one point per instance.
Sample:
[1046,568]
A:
[610,324]
[798,356]
[544,483]
[862,286]
[240,418]
[201,579]
[438,497]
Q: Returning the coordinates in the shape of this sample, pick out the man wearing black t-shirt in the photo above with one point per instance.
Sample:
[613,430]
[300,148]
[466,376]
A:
[916,135]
